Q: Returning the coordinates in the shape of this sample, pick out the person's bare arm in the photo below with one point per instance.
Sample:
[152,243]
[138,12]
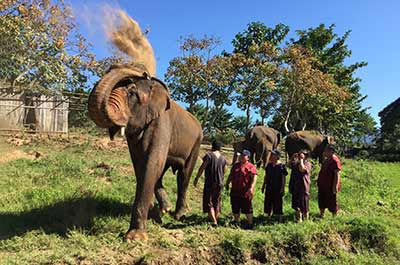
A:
[335,181]
[302,166]
[199,173]
[253,184]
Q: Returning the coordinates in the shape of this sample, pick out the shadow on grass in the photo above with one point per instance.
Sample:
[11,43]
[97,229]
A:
[188,220]
[61,216]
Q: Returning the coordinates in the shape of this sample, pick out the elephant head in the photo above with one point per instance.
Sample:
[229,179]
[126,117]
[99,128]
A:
[127,95]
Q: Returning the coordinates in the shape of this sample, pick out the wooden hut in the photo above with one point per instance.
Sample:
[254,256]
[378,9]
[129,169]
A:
[33,112]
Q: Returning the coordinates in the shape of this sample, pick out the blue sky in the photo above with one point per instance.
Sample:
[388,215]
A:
[375,35]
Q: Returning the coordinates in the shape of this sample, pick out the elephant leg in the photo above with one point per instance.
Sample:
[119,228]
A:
[259,153]
[183,182]
[146,179]
[266,158]
[161,195]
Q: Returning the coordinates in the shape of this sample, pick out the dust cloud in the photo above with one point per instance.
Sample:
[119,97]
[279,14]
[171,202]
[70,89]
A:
[126,35]
[111,23]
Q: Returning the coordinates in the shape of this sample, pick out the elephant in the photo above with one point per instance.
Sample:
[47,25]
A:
[260,141]
[312,141]
[160,134]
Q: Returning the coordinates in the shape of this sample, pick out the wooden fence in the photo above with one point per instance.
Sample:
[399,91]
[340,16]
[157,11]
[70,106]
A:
[33,112]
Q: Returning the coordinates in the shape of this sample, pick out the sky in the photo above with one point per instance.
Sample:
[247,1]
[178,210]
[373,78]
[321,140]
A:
[374,25]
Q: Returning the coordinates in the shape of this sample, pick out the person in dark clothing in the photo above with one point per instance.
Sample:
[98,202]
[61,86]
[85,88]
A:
[243,176]
[274,186]
[299,184]
[214,166]
[329,182]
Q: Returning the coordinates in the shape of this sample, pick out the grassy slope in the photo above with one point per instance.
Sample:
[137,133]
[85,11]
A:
[64,209]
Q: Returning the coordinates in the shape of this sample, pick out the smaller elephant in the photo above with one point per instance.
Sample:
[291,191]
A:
[260,141]
[312,141]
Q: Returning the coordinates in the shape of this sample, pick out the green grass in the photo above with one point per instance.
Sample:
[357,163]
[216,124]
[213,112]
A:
[64,209]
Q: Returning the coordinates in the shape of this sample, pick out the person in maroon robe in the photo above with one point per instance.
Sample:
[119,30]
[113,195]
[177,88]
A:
[299,184]
[274,186]
[329,182]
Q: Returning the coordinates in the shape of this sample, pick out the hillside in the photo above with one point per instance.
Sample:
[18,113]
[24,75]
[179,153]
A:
[67,201]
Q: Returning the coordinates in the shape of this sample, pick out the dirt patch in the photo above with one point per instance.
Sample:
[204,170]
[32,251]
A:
[106,144]
[13,155]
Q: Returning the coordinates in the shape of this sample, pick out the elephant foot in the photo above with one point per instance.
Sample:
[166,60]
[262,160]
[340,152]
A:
[166,209]
[155,214]
[135,235]
[179,215]
[164,204]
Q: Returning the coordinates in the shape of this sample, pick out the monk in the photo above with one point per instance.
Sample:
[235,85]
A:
[329,182]
[299,184]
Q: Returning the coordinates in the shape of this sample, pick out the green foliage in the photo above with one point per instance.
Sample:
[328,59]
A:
[232,250]
[388,142]
[41,48]
[256,52]
[199,75]
[331,51]
[390,116]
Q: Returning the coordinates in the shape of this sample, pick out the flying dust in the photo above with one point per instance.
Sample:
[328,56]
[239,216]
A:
[122,31]
[126,35]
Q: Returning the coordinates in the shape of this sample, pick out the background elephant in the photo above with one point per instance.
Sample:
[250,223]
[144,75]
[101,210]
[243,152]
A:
[261,141]
[312,141]
[160,134]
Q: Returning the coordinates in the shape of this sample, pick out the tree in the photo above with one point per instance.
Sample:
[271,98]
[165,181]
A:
[41,47]
[256,52]
[390,116]
[390,126]
[239,125]
[199,75]
[330,52]
[307,93]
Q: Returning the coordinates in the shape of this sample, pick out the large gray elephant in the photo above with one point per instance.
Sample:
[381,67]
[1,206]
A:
[312,141]
[260,141]
[160,134]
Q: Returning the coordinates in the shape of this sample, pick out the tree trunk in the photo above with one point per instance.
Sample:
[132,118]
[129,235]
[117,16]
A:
[248,116]
[262,115]
[203,123]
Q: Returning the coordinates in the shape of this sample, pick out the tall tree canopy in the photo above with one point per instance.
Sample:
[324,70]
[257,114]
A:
[40,46]
[256,52]
[390,116]
[331,51]
[303,83]
[201,75]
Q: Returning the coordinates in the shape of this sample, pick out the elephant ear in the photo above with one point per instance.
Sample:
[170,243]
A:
[159,100]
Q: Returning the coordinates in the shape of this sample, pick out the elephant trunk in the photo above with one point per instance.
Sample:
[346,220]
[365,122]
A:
[108,101]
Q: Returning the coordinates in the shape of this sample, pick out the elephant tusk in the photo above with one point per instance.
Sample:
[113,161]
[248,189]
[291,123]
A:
[123,131]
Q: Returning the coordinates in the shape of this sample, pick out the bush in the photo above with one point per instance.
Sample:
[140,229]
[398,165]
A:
[368,234]
[232,250]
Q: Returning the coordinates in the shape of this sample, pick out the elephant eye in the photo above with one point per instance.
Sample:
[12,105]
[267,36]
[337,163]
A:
[131,89]
[131,93]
